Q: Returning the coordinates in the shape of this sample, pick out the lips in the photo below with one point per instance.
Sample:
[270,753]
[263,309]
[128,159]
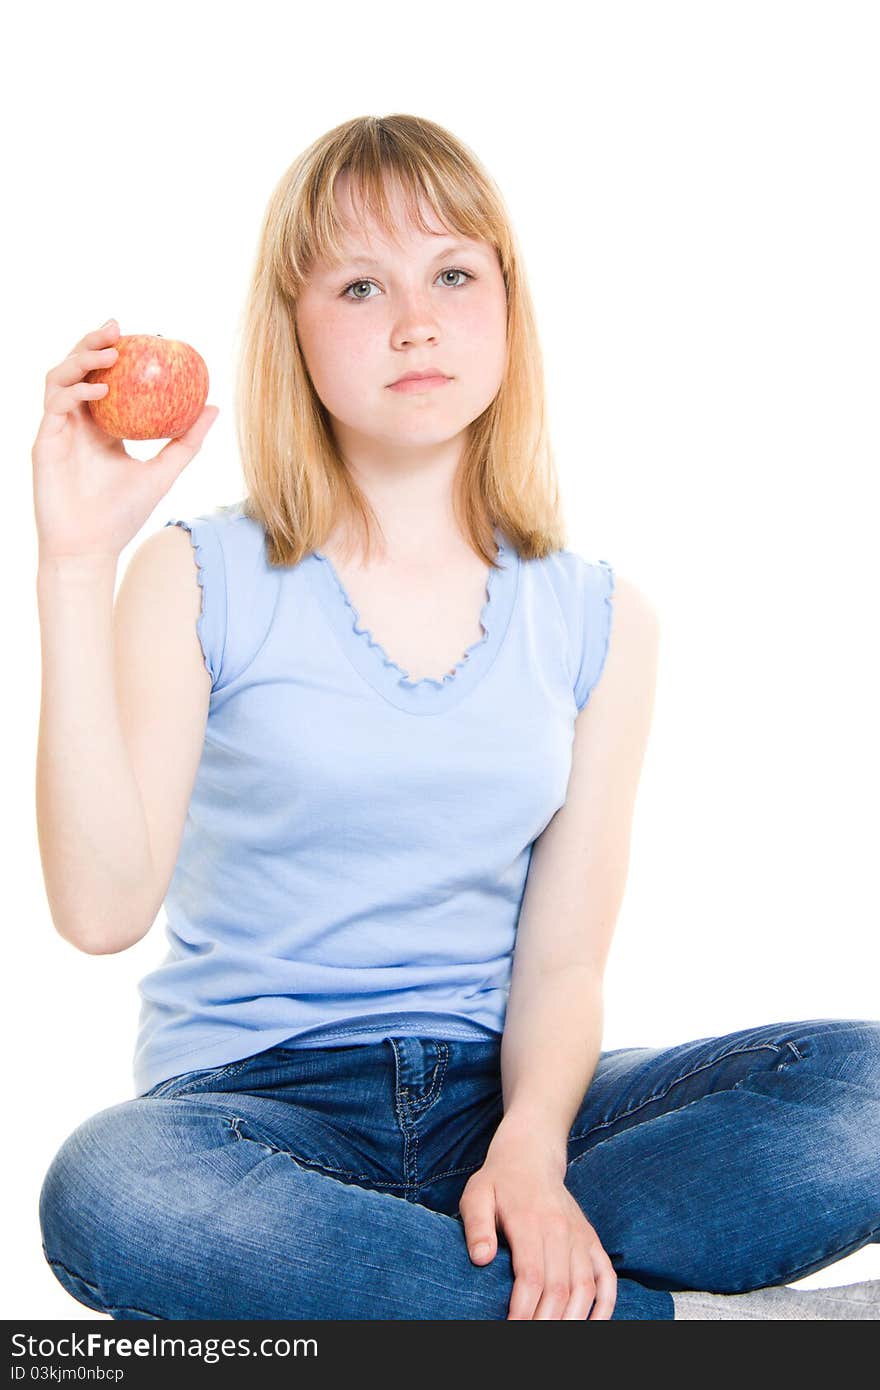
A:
[420,376]
[420,386]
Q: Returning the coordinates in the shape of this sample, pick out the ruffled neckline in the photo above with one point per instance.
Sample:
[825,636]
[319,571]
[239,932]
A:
[365,635]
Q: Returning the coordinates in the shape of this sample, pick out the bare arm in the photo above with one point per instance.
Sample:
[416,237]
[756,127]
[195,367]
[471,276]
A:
[553,1029]
[577,876]
[94,844]
[122,718]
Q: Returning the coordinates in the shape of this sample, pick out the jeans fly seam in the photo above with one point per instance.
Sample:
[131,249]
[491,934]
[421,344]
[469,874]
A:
[658,1095]
[410,1134]
[410,1131]
[410,1146]
[413,1181]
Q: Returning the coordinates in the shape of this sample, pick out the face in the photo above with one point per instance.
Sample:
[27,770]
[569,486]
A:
[410,304]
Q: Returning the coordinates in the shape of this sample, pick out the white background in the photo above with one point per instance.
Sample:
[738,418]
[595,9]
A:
[694,186]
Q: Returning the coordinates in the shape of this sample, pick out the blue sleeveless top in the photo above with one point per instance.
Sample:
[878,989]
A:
[356,847]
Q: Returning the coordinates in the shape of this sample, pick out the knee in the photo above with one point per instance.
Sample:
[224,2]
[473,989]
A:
[855,1039]
[849,1050]
[871,1030]
[77,1184]
[864,1056]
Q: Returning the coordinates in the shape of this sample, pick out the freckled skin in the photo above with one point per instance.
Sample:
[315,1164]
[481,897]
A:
[158,388]
[409,318]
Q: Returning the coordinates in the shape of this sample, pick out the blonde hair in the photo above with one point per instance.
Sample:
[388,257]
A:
[297,482]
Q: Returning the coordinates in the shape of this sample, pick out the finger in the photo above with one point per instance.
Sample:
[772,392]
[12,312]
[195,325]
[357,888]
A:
[165,466]
[527,1258]
[482,1249]
[557,1271]
[477,1210]
[606,1286]
[583,1284]
[98,337]
[94,350]
[59,404]
[78,364]
[96,341]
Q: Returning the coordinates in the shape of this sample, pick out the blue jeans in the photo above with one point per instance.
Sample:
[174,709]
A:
[324,1183]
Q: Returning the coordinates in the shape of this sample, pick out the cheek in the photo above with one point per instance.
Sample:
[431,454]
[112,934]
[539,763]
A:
[335,349]
[481,345]
[482,323]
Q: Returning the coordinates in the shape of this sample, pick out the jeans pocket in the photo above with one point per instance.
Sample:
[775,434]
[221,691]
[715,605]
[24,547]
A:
[190,1082]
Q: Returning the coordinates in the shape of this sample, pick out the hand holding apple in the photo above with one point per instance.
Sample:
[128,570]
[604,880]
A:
[157,388]
[91,497]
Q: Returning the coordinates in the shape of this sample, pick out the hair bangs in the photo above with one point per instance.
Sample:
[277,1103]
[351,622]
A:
[372,168]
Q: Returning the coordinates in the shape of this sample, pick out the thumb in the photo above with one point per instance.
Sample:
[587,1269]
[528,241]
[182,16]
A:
[480,1237]
[177,453]
[482,1252]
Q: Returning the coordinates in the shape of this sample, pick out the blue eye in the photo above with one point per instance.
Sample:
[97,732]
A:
[362,298]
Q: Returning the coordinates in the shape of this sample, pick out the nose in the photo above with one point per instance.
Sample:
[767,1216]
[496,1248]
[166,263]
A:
[415,323]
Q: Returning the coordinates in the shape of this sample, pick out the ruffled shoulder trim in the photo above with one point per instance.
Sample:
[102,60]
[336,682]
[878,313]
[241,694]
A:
[598,615]
[211,622]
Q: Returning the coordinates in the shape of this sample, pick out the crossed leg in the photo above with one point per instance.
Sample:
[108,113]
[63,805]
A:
[725,1164]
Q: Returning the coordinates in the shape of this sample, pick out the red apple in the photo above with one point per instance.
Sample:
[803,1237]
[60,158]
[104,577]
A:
[158,387]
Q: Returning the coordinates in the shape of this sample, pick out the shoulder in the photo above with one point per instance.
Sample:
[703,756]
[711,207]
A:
[635,628]
[239,588]
[579,582]
[575,582]
[633,607]
[229,550]
[223,532]
[629,664]
[601,609]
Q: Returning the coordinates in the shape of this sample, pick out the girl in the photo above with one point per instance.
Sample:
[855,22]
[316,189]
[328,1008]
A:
[363,733]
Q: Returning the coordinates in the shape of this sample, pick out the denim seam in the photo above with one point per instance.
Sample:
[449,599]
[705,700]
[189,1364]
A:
[94,1288]
[450,1173]
[215,1074]
[410,1135]
[413,1182]
[411,1111]
[258,1136]
[658,1095]
[849,1248]
[462,1036]
[437,1076]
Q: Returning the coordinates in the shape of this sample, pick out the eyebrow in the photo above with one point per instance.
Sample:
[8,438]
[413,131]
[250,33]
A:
[445,251]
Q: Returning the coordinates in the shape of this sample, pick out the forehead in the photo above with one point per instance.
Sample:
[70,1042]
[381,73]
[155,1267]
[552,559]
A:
[435,248]
[363,237]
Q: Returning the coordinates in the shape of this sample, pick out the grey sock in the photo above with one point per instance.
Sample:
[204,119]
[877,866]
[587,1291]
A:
[847,1301]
